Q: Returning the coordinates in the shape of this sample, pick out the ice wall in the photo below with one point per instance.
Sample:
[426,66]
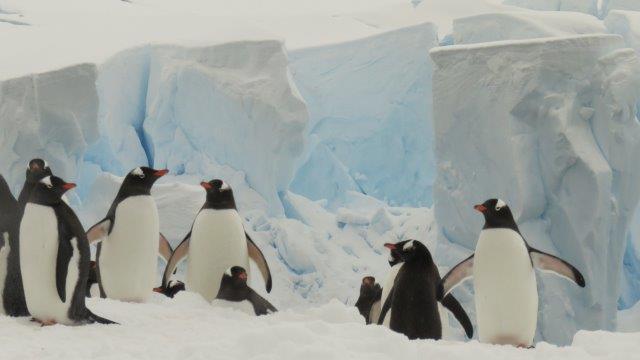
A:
[51,115]
[584,6]
[523,25]
[550,127]
[609,5]
[370,121]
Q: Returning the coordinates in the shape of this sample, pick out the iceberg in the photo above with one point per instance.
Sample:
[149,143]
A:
[370,123]
[557,138]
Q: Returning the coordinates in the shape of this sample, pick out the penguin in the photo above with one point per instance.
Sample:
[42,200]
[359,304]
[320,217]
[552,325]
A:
[174,287]
[233,287]
[217,241]
[413,297]
[128,239]
[368,303]
[395,261]
[54,257]
[505,287]
[37,169]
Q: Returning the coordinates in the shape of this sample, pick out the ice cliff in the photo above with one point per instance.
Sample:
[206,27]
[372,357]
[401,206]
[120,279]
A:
[558,139]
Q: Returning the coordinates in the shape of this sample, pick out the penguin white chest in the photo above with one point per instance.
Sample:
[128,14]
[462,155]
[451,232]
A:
[218,242]
[38,259]
[506,295]
[128,257]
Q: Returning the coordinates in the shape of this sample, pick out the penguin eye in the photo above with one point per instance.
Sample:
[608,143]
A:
[498,208]
[49,186]
[141,176]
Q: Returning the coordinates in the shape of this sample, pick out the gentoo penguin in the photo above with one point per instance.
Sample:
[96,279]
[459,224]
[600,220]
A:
[129,240]
[233,287]
[54,257]
[413,297]
[37,169]
[368,303]
[504,278]
[395,261]
[216,242]
[13,303]
[174,287]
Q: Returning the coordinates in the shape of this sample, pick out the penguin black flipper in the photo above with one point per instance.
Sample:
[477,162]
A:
[260,305]
[164,248]
[99,231]
[65,252]
[457,310]
[179,254]
[386,306]
[553,264]
[258,257]
[455,276]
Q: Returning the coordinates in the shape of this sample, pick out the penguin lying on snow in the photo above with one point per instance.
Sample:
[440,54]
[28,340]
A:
[412,299]
[368,303]
[54,257]
[128,239]
[216,242]
[233,287]
[505,281]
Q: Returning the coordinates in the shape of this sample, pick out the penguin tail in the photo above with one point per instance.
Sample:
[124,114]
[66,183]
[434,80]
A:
[100,320]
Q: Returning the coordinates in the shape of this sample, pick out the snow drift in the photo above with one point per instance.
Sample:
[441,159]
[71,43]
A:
[557,138]
[584,6]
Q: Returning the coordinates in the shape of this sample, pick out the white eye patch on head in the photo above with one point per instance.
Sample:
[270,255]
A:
[408,246]
[46,181]
[137,171]
[500,204]
[224,186]
[228,272]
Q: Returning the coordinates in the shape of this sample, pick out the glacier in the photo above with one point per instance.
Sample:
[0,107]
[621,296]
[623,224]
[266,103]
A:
[583,6]
[557,140]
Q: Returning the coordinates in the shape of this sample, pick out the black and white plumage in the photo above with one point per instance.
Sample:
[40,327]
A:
[368,303]
[54,257]
[412,299]
[128,239]
[234,288]
[504,278]
[217,241]
[13,302]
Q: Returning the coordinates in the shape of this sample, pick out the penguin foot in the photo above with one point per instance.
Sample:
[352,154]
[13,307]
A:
[521,346]
[44,323]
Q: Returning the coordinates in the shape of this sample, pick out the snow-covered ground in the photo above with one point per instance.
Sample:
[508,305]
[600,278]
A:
[338,132]
[189,328]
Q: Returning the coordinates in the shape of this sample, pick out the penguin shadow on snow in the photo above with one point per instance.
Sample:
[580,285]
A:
[409,297]
[505,289]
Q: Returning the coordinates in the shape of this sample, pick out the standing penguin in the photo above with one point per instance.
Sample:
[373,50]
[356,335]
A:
[412,298]
[216,242]
[128,240]
[233,287]
[13,300]
[395,261]
[368,303]
[54,255]
[505,281]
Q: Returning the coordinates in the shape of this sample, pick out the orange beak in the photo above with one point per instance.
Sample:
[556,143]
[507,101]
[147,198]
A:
[206,185]
[68,186]
[390,246]
[160,173]
[481,208]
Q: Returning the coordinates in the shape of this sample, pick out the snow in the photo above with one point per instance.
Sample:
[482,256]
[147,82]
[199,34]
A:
[567,174]
[584,6]
[188,327]
[609,5]
[523,25]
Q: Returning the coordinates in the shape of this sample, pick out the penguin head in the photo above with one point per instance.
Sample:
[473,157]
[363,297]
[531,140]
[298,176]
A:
[411,250]
[49,190]
[141,179]
[394,253]
[219,194]
[497,214]
[36,170]
[369,286]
